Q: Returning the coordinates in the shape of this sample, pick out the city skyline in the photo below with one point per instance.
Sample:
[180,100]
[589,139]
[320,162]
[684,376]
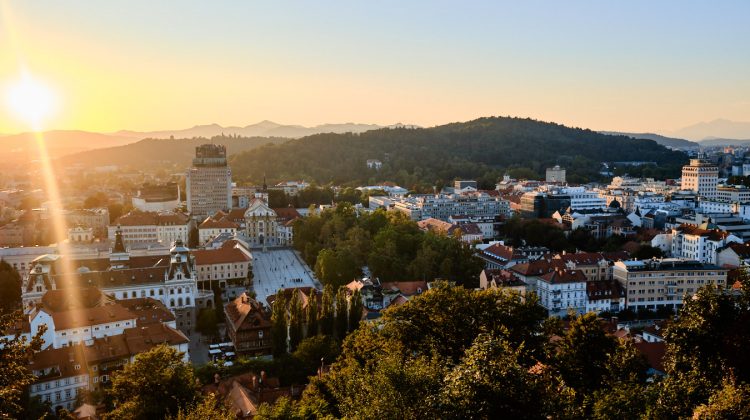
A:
[636,67]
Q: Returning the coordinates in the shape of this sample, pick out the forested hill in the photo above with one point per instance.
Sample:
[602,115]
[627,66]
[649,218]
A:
[149,153]
[482,149]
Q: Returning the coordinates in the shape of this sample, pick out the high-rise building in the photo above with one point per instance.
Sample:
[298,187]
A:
[555,174]
[700,176]
[209,181]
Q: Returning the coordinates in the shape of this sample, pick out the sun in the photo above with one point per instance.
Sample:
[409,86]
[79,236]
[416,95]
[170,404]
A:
[30,100]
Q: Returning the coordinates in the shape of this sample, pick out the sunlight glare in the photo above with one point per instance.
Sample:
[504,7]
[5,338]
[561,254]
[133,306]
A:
[31,100]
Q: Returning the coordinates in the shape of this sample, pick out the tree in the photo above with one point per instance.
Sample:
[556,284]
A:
[491,382]
[342,314]
[583,353]
[355,310]
[156,385]
[10,288]
[279,325]
[326,317]
[296,320]
[315,350]
[16,352]
[732,401]
[207,323]
[98,199]
[336,267]
[210,408]
[311,314]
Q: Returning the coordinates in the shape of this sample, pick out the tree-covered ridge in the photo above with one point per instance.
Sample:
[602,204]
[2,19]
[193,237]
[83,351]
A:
[482,149]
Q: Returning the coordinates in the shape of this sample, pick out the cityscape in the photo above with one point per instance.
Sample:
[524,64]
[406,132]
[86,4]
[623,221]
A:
[582,257]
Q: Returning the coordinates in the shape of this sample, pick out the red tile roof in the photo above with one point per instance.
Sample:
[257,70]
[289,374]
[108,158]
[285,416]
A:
[64,359]
[91,316]
[564,276]
[223,255]
[223,223]
[148,218]
[407,288]
[654,353]
[538,267]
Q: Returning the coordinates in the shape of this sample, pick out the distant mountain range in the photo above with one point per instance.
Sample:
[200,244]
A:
[261,129]
[663,140]
[716,129]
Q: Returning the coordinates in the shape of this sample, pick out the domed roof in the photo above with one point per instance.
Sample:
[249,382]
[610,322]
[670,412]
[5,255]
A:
[179,247]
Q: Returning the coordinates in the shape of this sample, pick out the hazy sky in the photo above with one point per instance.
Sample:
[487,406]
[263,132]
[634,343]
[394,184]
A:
[144,65]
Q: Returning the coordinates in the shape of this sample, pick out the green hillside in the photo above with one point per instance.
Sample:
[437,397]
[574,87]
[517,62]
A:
[149,153]
[482,149]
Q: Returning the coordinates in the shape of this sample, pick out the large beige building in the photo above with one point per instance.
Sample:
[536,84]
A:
[700,176]
[652,284]
[555,174]
[209,182]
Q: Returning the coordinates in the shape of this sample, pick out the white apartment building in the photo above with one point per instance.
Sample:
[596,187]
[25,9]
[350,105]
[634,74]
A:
[443,206]
[693,243]
[583,199]
[733,193]
[701,176]
[652,284]
[62,374]
[561,290]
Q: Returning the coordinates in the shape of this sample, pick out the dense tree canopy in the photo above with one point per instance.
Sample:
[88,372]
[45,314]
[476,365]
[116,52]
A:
[156,385]
[15,355]
[341,241]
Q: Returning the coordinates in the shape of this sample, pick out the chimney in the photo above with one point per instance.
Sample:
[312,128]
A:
[217,378]
[255,382]
[262,377]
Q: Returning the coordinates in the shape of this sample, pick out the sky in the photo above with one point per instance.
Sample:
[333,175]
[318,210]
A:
[638,65]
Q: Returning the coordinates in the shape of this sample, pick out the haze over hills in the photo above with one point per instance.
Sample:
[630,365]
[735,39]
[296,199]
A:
[262,129]
[23,146]
[718,128]
[663,140]
[148,153]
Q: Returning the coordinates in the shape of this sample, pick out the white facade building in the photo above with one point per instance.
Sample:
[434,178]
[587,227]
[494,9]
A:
[562,290]
[701,177]
[150,227]
[443,206]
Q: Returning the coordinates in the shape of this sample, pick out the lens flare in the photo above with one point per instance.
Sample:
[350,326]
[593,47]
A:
[30,100]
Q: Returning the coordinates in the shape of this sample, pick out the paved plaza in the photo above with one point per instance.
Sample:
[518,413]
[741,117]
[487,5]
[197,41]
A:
[279,268]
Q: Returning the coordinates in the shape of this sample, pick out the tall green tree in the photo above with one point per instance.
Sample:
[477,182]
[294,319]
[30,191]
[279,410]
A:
[327,311]
[10,288]
[311,314]
[355,310]
[296,321]
[156,385]
[342,314]
[279,324]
